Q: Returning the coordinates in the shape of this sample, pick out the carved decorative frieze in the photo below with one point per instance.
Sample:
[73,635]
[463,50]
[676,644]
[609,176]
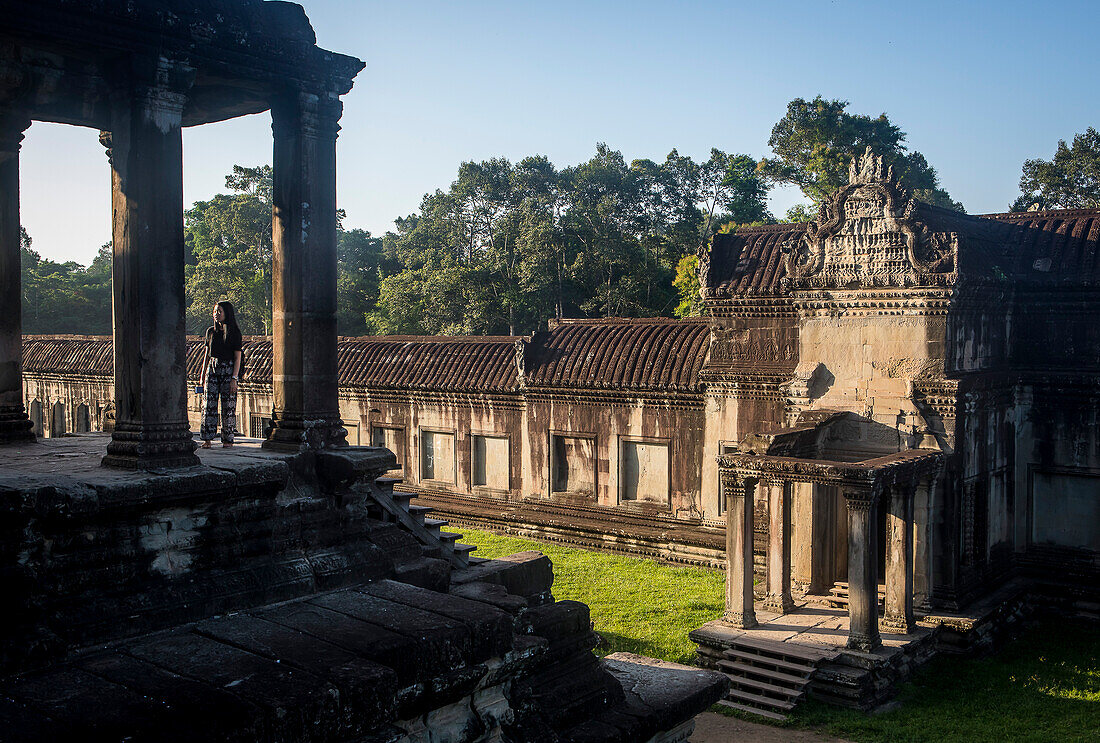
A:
[866,236]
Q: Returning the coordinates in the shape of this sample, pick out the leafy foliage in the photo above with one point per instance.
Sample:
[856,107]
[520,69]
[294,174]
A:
[65,297]
[508,246]
[1071,180]
[816,140]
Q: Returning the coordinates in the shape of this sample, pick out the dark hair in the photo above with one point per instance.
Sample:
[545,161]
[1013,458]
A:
[229,325]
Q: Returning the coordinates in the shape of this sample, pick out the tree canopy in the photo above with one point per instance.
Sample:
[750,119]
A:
[816,140]
[64,297]
[1070,180]
[509,245]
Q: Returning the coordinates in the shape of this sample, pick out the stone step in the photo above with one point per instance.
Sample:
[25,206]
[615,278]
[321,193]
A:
[420,512]
[744,697]
[402,499]
[765,689]
[752,710]
[841,588]
[462,552]
[449,537]
[790,679]
[791,651]
[760,661]
[435,524]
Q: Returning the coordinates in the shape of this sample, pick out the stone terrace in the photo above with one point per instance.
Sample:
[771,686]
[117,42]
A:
[262,596]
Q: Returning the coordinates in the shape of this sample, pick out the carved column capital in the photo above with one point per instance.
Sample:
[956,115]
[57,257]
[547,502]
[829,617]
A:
[859,499]
[308,114]
[13,124]
[105,140]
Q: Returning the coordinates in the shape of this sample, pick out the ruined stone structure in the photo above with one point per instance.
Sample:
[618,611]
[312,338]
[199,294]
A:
[140,72]
[921,390]
[282,593]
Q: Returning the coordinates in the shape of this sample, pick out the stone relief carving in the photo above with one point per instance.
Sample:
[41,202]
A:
[866,236]
[743,345]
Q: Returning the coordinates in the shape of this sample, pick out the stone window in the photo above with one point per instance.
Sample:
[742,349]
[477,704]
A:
[489,457]
[259,426]
[643,472]
[34,412]
[82,420]
[573,465]
[1065,510]
[437,456]
[57,419]
[392,438]
[353,433]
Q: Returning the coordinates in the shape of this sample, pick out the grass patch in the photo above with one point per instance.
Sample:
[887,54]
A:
[637,605]
[1044,686]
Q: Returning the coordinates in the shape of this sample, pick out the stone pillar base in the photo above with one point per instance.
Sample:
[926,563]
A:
[292,433]
[898,624]
[864,643]
[16,427]
[137,447]
[739,619]
[780,604]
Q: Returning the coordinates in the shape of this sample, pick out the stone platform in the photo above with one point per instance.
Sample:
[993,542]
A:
[264,596]
[809,644]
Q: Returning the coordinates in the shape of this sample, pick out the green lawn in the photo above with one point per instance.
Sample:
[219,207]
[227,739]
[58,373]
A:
[1044,686]
[637,605]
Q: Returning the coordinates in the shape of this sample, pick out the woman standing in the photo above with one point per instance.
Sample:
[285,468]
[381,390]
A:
[222,362]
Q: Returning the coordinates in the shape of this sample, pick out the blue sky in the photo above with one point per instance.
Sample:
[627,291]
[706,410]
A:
[978,87]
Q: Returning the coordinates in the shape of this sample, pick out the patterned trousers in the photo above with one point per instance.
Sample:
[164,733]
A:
[218,378]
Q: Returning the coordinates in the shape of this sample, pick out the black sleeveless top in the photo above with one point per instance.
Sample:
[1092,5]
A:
[223,349]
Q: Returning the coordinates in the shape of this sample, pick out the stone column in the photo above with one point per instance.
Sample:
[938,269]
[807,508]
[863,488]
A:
[862,569]
[899,560]
[15,426]
[779,548]
[304,374]
[151,428]
[923,501]
[739,494]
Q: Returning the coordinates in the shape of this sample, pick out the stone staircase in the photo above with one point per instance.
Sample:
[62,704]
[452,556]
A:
[769,678]
[838,596]
[396,506]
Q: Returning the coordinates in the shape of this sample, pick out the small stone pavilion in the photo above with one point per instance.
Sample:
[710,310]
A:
[275,593]
[139,73]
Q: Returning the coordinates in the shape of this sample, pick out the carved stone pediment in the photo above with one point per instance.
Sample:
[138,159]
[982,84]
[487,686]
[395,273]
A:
[866,236]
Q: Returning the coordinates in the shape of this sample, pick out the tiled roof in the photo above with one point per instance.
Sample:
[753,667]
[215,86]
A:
[644,354]
[1058,245]
[68,354]
[485,364]
[749,261]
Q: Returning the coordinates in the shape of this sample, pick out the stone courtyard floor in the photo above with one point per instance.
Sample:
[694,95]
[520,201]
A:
[714,728]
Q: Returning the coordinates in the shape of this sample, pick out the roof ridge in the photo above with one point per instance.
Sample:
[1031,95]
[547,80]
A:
[1040,213]
[624,320]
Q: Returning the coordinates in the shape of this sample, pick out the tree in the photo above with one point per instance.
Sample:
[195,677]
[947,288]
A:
[230,246]
[1071,180]
[64,297]
[687,287]
[816,140]
[362,263]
